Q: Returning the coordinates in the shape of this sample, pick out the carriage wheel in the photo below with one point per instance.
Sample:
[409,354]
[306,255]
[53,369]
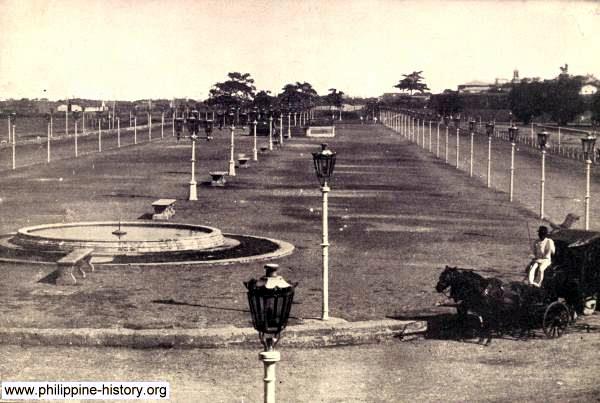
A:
[556,319]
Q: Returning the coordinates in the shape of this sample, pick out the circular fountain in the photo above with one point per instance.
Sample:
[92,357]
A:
[139,243]
[121,238]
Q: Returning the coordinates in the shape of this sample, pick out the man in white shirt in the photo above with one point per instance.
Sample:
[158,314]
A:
[543,249]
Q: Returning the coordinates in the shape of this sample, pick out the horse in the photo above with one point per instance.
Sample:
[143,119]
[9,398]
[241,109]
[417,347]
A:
[495,303]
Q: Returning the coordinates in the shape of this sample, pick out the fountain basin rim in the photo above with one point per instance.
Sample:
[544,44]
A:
[27,231]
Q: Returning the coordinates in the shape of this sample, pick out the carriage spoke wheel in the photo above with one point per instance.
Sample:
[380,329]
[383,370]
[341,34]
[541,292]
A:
[556,319]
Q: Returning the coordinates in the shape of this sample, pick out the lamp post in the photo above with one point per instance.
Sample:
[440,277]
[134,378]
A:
[289,129]
[48,124]
[192,125]
[232,147]
[457,126]
[254,150]
[472,132]
[280,128]
[14,140]
[447,122]
[270,301]
[588,144]
[76,116]
[513,133]
[118,132]
[324,162]
[100,132]
[437,141]
[271,133]
[489,130]
[542,140]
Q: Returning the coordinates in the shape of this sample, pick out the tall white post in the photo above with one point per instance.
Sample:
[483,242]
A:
[270,133]
[423,133]
[193,191]
[254,150]
[471,156]
[269,359]
[118,132]
[489,162]
[82,122]
[135,130]
[76,150]
[294,119]
[325,244]
[14,144]
[231,160]
[457,146]
[588,164]
[542,184]
[446,144]
[289,134]
[512,171]
[430,136]
[437,142]
[149,127]
[162,125]
[173,125]
[48,156]
[100,135]
[281,129]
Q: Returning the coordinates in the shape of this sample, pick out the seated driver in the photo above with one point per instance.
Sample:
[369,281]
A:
[543,249]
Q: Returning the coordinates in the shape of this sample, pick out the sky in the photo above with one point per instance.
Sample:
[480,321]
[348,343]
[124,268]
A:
[137,49]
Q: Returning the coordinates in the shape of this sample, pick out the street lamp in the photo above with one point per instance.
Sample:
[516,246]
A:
[457,126]
[76,116]
[324,162]
[472,132]
[542,140]
[270,301]
[270,132]
[232,147]
[513,133]
[447,120]
[48,117]
[588,144]
[192,126]
[489,130]
[14,139]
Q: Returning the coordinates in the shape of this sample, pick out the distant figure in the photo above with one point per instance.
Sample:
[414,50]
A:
[543,249]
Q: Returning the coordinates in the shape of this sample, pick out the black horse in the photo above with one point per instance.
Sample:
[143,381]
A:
[498,305]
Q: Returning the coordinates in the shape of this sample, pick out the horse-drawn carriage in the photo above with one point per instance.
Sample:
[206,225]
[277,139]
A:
[571,286]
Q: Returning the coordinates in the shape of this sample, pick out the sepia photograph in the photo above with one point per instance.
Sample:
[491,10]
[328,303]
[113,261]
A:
[299,200]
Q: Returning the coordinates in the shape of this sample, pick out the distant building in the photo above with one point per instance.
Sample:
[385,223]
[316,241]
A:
[475,87]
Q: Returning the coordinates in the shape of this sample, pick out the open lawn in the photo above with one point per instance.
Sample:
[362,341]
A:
[397,215]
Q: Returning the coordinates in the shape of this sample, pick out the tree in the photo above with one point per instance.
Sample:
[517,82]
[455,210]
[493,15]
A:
[412,82]
[335,98]
[235,92]
[263,100]
[298,95]
[564,100]
[447,103]
[528,100]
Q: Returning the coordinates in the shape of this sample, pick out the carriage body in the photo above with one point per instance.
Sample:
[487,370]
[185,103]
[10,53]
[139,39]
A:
[575,272]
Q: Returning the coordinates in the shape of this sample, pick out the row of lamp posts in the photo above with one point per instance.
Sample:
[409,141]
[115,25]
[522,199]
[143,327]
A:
[588,144]
[270,297]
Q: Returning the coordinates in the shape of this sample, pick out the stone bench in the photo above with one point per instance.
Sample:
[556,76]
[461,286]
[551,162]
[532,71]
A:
[163,209]
[77,258]
[218,178]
